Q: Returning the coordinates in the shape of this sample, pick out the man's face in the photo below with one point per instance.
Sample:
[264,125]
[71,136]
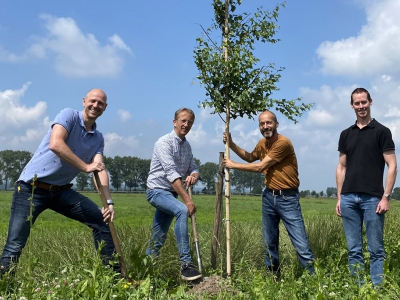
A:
[361,105]
[94,104]
[267,125]
[183,124]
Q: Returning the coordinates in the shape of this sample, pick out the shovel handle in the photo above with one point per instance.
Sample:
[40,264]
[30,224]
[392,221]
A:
[111,225]
[195,237]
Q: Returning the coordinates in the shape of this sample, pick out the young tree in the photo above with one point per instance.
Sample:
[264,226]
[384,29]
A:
[235,83]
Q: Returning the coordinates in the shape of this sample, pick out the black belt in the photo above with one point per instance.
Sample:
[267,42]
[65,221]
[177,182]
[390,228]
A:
[52,187]
[287,192]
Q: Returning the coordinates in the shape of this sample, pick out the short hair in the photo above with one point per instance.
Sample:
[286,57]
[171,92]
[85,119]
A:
[274,115]
[184,109]
[359,91]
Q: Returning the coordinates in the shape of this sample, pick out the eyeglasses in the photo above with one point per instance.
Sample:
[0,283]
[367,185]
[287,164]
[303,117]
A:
[187,122]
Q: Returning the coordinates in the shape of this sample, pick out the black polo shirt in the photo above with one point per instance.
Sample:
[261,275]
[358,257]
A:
[365,164]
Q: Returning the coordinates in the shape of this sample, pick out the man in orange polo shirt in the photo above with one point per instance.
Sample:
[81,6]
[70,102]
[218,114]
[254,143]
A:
[280,200]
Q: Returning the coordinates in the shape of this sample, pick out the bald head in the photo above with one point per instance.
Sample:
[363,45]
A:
[268,113]
[96,93]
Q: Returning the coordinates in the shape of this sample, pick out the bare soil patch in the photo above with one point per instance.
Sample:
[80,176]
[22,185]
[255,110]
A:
[211,286]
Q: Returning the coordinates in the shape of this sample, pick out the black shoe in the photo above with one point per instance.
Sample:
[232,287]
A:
[189,272]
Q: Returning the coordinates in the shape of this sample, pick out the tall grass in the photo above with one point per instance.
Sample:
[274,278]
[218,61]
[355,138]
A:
[65,265]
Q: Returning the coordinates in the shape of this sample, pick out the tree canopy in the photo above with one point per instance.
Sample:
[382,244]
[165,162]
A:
[239,78]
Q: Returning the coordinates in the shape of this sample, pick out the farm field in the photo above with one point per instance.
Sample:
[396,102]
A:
[61,259]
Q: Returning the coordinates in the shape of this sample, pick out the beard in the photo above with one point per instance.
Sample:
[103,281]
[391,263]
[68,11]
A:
[268,133]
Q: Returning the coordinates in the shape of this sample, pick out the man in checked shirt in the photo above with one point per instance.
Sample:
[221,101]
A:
[172,160]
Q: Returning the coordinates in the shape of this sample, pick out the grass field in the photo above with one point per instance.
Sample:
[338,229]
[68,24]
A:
[61,245]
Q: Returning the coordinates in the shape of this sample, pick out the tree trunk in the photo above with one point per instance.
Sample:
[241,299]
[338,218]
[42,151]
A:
[227,175]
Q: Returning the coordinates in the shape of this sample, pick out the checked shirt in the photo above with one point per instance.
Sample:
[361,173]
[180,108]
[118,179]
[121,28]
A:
[172,159]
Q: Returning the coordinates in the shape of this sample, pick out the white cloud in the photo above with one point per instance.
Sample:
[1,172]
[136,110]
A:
[14,114]
[120,145]
[124,115]
[119,43]
[75,53]
[7,56]
[22,127]
[321,117]
[374,50]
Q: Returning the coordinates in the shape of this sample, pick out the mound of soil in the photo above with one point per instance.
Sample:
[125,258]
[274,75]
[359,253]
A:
[211,286]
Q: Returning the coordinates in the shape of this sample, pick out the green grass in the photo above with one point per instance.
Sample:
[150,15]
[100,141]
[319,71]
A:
[62,250]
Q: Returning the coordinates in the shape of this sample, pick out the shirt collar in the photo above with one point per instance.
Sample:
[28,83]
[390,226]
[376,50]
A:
[371,124]
[178,139]
[94,126]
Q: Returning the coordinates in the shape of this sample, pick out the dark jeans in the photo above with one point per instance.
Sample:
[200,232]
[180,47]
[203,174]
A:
[67,202]
[286,208]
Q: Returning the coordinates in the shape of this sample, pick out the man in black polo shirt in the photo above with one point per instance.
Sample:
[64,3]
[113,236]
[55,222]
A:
[364,149]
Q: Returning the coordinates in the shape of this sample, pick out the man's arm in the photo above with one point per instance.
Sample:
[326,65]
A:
[259,167]
[178,187]
[390,159]
[57,144]
[340,175]
[243,154]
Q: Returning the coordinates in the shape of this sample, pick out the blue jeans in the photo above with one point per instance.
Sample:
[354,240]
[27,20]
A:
[67,202]
[357,208]
[287,209]
[167,207]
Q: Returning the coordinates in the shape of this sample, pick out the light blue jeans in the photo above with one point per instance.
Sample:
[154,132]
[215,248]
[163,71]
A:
[167,207]
[287,209]
[357,208]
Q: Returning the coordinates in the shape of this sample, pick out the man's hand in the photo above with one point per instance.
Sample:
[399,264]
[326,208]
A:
[191,179]
[191,207]
[224,137]
[229,164]
[108,213]
[383,206]
[95,166]
[338,212]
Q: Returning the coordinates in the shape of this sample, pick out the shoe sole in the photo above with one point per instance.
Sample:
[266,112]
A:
[191,278]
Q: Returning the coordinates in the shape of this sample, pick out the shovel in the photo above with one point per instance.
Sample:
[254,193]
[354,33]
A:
[111,225]
[196,239]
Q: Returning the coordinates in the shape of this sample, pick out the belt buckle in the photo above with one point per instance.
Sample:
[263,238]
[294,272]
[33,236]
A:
[53,188]
[277,192]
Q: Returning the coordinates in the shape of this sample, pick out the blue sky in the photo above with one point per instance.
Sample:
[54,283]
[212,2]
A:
[141,54]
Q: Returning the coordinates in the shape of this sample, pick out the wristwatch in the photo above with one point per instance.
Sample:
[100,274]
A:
[387,196]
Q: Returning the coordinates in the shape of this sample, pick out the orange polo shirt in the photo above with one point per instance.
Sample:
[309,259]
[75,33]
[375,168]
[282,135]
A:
[284,174]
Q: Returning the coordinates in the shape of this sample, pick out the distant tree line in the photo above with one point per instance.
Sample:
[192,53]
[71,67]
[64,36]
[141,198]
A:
[130,173]
[11,165]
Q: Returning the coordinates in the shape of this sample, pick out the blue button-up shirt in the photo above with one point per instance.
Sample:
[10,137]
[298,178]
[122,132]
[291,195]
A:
[172,159]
